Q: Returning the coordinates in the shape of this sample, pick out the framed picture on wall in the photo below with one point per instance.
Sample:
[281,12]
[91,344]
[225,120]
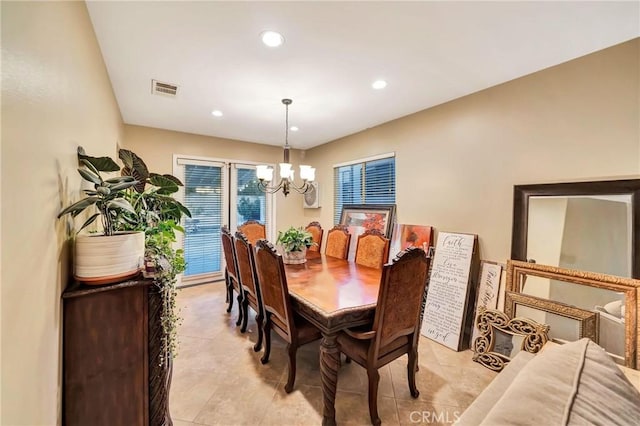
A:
[362,217]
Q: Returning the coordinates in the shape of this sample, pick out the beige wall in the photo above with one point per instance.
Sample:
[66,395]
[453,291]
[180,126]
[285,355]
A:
[456,164]
[157,147]
[56,95]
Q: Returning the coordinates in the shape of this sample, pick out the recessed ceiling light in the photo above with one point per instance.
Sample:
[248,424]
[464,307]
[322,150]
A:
[293,128]
[379,84]
[216,113]
[272,38]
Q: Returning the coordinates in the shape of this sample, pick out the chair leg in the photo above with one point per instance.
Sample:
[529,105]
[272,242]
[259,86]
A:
[258,344]
[240,303]
[245,313]
[292,349]
[229,293]
[374,379]
[266,331]
[412,366]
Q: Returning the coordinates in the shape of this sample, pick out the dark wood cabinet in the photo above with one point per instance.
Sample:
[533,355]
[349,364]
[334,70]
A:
[106,354]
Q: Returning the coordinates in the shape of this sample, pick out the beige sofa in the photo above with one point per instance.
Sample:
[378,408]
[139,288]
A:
[572,384]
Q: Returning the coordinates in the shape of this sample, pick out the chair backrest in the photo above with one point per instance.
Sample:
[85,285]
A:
[315,229]
[400,297]
[246,264]
[229,252]
[253,230]
[372,249]
[338,239]
[273,286]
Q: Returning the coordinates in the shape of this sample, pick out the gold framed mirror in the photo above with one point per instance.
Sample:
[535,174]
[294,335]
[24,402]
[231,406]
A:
[571,323]
[614,298]
[500,338]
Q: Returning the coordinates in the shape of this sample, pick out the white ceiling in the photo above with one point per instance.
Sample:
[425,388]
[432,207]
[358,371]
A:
[429,53]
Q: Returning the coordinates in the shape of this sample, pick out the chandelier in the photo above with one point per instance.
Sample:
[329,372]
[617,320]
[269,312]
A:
[265,173]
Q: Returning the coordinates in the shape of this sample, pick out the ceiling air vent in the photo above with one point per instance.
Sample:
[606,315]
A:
[165,89]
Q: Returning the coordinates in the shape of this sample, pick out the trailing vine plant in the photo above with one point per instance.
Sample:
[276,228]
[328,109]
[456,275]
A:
[158,214]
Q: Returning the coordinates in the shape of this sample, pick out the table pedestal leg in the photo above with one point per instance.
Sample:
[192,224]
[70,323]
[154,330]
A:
[329,365]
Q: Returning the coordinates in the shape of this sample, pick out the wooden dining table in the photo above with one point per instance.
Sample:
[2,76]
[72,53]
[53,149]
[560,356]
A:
[333,294]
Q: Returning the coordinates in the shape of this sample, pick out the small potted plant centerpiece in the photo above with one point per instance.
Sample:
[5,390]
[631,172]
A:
[295,242]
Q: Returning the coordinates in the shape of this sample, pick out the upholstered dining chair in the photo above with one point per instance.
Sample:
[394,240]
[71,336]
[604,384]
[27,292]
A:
[231,276]
[372,249]
[338,239]
[278,314]
[250,286]
[396,324]
[253,230]
[315,229]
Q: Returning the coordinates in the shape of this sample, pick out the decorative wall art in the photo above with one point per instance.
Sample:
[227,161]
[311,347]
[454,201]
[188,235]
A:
[488,289]
[361,217]
[448,316]
[405,236]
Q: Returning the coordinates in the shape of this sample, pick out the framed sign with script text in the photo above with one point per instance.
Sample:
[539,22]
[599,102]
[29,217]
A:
[446,317]
[488,290]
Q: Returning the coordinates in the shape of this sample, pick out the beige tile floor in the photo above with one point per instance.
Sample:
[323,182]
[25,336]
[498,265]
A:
[219,380]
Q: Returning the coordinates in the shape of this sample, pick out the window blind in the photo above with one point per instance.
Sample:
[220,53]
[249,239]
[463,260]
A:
[204,196]
[367,182]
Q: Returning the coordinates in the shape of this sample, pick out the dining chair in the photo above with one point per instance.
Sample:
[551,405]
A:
[338,239]
[372,249]
[231,271]
[253,230]
[396,324]
[315,229]
[278,314]
[250,285]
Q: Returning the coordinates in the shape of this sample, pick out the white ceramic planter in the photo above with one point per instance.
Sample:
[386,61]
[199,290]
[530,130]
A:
[294,257]
[100,259]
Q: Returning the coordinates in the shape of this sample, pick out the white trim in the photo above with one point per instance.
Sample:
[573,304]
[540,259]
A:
[364,160]
[196,159]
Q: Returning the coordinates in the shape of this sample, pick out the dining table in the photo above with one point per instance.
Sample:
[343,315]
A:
[333,294]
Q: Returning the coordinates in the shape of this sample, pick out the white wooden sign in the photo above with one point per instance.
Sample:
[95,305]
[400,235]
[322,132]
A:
[488,290]
[448,289]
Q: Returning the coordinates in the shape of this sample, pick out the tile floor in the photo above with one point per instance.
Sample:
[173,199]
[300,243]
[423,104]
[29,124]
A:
[219,380]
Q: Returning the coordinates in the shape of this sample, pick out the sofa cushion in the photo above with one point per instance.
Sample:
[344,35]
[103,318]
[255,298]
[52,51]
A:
[572,384]
[474,414]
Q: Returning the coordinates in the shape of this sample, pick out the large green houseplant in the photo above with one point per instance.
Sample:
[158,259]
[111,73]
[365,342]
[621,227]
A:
[156,212]
[107,256]
[294,242]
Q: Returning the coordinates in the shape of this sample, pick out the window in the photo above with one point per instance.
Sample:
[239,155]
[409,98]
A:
[368,181]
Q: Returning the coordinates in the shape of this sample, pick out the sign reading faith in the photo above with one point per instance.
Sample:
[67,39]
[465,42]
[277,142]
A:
[448,289]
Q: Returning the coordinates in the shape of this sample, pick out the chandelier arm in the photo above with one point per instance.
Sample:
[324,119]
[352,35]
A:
[269,189]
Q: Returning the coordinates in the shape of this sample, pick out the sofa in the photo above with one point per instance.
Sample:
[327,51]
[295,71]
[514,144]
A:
[572,384]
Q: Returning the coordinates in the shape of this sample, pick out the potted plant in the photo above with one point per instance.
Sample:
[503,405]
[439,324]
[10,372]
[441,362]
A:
[158,214]
[294,242]
[110,256]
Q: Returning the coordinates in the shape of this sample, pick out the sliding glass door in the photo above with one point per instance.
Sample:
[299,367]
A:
[248,202]
[206,191]
[217,192]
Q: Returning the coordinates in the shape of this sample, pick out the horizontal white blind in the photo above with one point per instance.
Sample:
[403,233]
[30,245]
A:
[368,182]
[204,196]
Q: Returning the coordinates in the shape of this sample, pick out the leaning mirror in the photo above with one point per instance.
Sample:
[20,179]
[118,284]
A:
[588,226]
[500,338]
[614,299]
